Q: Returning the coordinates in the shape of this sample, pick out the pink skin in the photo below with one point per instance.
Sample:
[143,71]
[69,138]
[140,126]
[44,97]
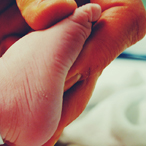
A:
[32,77]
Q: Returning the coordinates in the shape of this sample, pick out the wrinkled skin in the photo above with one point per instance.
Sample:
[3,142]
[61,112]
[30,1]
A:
[121,24]
[33,73]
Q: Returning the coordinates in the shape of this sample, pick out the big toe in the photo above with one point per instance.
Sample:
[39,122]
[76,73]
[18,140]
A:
[74,31]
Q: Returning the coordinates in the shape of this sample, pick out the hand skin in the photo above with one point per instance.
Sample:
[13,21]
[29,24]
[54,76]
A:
[121,24]
[32,76]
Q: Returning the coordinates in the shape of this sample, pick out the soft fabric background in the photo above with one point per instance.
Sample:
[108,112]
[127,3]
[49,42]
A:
[116,113]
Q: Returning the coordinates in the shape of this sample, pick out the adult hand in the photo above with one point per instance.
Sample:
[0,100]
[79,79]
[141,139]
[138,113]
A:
[33,74]
[122,24]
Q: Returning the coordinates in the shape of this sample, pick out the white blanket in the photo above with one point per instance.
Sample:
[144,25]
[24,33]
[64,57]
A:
[116,113]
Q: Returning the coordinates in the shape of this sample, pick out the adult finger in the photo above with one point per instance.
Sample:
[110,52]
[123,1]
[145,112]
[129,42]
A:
[121,24]
[42,14]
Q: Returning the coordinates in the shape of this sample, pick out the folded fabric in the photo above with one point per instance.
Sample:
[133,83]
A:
[116,113]
[119,120]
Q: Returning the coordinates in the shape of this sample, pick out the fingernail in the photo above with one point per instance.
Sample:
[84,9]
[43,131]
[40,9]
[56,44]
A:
[71,81]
